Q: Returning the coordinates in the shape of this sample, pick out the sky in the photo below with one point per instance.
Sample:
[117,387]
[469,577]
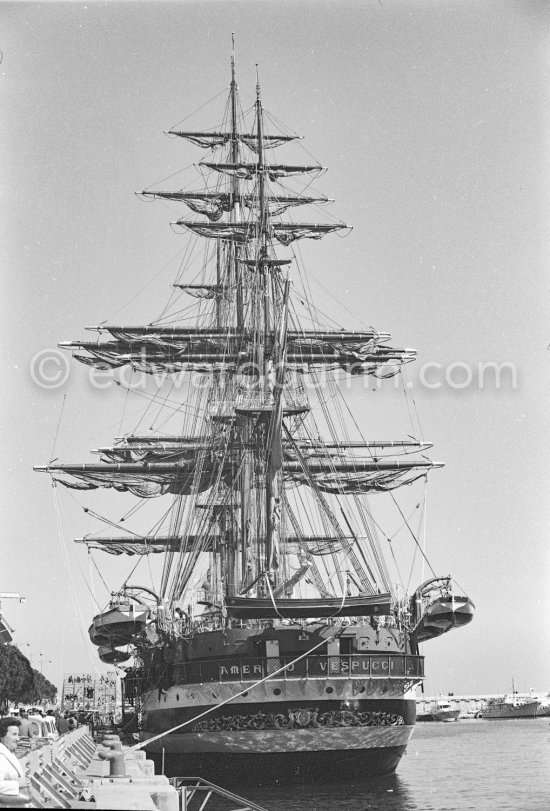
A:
[433,121]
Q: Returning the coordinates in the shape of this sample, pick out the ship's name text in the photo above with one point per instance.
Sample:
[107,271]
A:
[339,665]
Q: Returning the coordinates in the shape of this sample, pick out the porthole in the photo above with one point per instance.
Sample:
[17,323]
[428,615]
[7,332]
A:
[244,694]
[177,696]
[277,691]
[329,690]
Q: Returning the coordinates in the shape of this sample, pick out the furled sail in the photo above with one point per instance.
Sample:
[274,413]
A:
[247,171]
[157,330]
[215,204]
[150,479]
[210,350]
[211,140]
[285,233]
[148,451]
[204,291]
[125,545]
[317,545]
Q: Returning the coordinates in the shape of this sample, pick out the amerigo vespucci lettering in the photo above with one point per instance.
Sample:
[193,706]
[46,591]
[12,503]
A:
[300,718]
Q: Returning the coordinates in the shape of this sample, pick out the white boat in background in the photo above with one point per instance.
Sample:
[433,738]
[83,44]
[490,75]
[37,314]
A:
[443,710]
[511,707]
[544,704]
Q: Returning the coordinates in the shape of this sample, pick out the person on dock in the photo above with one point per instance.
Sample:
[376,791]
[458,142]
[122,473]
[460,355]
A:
[12,776]
[61,723]
[26,732]
[25,726]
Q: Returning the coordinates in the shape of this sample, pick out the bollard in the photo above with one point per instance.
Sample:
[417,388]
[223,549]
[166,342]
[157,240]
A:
[111,742]
[117,766]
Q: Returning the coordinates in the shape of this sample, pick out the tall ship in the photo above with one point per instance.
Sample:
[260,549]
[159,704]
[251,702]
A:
[269,641]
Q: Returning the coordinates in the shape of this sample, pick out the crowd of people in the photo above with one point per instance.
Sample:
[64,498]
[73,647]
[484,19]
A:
[16,734]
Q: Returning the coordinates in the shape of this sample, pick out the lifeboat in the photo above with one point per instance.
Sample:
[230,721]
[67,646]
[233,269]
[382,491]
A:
[438,609]
[113,656]
[119,625]
[249,607]
[96,637]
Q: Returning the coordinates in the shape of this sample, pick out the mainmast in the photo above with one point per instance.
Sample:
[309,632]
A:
[274,472]
[271,368]
[261,172]
[229,524]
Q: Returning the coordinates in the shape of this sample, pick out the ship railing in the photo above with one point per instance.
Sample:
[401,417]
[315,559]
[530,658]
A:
[349,666]
[196,793]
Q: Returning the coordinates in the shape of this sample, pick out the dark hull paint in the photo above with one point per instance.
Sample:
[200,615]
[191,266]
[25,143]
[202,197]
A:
[289,758]
[233,770]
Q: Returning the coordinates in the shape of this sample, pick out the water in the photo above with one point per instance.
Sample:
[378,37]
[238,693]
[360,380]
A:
[469,765]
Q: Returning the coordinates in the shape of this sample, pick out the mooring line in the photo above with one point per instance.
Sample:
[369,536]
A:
[227,700]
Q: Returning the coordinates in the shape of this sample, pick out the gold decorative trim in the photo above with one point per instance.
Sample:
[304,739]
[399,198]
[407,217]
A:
[299,718]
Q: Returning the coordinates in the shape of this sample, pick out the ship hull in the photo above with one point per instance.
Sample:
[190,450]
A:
[286,767]
[504,711]
[445,715]
[286,740]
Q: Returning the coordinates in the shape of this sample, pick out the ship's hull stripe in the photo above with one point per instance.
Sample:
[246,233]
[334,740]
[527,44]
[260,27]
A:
[295,740]
[274,691]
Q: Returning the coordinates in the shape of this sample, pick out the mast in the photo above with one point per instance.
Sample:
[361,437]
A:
[258,463]
[261,171]
[274,473]
[235,208]
[240,516]
[273,374]
[226,561]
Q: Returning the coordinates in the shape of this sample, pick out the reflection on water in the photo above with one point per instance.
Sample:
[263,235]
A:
[389,793]
[462,766]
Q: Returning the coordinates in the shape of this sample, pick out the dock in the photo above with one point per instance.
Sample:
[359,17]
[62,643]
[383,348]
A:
[77,772]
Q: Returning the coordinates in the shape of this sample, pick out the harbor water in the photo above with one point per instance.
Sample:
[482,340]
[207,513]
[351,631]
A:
[467,765]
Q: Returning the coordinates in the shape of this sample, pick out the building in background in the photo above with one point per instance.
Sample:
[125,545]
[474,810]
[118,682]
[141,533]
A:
[92,693]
